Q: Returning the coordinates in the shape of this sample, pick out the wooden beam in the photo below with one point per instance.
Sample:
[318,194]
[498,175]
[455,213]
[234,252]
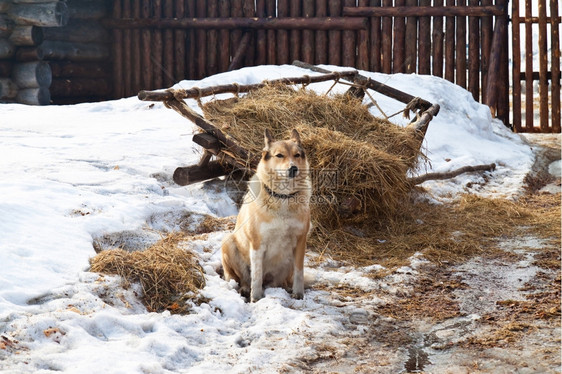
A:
[424,11]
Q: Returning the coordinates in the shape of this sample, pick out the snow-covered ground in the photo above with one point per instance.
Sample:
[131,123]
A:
[73,174]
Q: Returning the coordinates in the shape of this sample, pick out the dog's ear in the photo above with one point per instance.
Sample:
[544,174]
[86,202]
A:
[296,137]
[268,138]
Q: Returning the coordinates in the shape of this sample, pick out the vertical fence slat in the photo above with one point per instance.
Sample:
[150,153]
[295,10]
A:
[363,44]
[321,50]
[224,37]
[308,35]
[334,37]
[424,44]
[212,40]
[146,40]
[460,78]
[528,67]
[295,35]
[179,40]
[399,47]
[386,43]
[543,64]
[375,40]
[503,89]
[261,38]
[118,90]
[157,46]
[190,42]
[474,54]
[136,50]
[270,8]
[486,24]
[127,66]
[411,40]
[450,45]
[555,65]
[201,40]
[168,42]
[249,10]
[516,76]
[283,35]
[349,42]
[437,43]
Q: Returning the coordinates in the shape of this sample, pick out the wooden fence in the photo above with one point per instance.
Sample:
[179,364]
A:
[159,42]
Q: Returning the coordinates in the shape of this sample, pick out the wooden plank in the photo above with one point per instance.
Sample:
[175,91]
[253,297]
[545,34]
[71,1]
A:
[146,41]
[386,55]
[308,35]
[503,99]
[423,11]
[321,50]
[543,66]
[528,68]
[168,44]
[555,67]
[157,46]
[127,52]
[271,9]
[363,44]
[411,46]
[486,24]
[437,43]
[136,50]
[118,89]
[179,43]
[375,40]
[516,48]
[334,36]
[249,11]
[212,40]
[283,35]
[399,45]
[349,42]
[201,40]
[474,54]
[460,50]
[424,43]
[191,43]
[261,35]
[450,46]
[224,37]
[295,43]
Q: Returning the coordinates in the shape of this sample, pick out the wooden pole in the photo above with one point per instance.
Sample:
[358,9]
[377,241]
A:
[261,35]
[486,24]
[249,11]
[146,41]
[118,89]
[224,37]
[321,50]
[334,36]
[168,46]
[399,44]
[555,65]
[411,10]
[349,42]
[516,76]
[386,59]
[474,54]
[157,49]
[450,46]
[136,51]
[411,40]
[127,52]
[528,68]
[363,44]
[493,90]
[308,35]
[271,9]
[437,38]
[295,40]
[503,100]
[282,35]
[424,42]
[238,59]
[212,40]
[543,66]
[179,43]
[192,44]
[460,76]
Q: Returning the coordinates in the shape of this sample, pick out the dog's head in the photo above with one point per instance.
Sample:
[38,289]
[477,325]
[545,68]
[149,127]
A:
[283,166]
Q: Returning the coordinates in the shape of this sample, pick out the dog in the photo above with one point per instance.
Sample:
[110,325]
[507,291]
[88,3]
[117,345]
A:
[268,244]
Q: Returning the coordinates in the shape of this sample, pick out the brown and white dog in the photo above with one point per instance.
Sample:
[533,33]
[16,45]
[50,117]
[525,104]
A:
[268,244]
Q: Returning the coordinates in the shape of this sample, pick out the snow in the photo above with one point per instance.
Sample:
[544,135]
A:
[74,174]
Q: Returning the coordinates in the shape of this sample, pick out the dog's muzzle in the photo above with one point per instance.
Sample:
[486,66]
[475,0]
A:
[292,172]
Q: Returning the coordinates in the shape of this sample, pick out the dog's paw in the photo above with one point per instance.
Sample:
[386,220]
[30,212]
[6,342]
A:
[298,295]
[256,296]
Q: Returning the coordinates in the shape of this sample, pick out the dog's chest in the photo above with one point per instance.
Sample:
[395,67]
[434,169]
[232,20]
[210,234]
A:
[279,237]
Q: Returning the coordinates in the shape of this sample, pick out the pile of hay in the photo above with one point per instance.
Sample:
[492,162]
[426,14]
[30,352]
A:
[167,273]
[369,156]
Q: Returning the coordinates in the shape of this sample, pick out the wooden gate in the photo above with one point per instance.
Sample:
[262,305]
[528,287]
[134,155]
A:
[545,102]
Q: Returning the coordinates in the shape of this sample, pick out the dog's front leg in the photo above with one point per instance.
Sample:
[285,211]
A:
[298,270]
[256,260]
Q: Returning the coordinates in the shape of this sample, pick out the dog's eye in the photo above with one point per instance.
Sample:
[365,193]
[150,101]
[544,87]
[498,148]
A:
[279,155]
[297,155]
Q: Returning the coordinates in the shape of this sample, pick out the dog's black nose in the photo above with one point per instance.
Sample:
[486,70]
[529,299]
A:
[293,170]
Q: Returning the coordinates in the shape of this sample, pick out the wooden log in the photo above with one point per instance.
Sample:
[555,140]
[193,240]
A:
[261,35]
[179,44]
[363,45]
[69,69]
[32,74]
[224,37]
[201,37]
[516,31]
[529,113]
[57,50]
[27,54]
[7,49]
[460,52]
[411,46]
[321,50]
[127,52]
[424,42]
[555,66]
[6,26]
[234,88]
[8,89]
[88,9]
[495,61]
[295,42]
[68,87]
[53,14]
[308,35]
[184,176]
[207,141]
[5,68]
[34,96]
[249,10]
[437,43]
[282,35]
[503,99]
[168,46]
[146,42]
[349,44]
[118,89]
[375,40]
[486,25]
[399,45]
[474,54]
[212,40]
[191,41]
[27,35]
[82,31]
[543,66]
[271,10]
[451,174]
[5,5]
[386,63]
[334,36]
[450,46]
[238,59]
[374,85]
[423,11]
[157,46]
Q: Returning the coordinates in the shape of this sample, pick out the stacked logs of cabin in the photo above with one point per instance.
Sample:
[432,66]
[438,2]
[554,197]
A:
[24,77]
[79,54]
